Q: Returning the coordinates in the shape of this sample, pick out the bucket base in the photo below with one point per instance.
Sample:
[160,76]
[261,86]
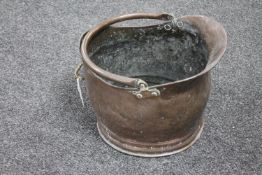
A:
[166,148]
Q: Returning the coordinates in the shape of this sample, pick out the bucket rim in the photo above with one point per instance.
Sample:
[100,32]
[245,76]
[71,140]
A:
[132,82]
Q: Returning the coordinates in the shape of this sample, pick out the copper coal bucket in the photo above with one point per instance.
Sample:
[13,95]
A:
[149,85]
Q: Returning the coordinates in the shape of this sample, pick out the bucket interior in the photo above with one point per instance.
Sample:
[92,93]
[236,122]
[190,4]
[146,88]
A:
[156,54]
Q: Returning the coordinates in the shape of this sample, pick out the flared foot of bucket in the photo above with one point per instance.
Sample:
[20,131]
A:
[143,150]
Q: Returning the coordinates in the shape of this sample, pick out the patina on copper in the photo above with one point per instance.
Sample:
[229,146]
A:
[149,85]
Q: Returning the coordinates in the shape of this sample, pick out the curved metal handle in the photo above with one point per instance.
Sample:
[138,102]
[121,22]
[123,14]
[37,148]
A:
[77,70]
[108,75]
[78,78]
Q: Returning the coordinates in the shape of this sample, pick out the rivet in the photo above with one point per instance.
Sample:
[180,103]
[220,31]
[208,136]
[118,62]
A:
[154,94]
[139,96]
[179,24]
[142,85]
[167,27]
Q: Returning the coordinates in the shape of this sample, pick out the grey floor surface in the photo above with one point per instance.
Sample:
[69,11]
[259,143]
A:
[44,129]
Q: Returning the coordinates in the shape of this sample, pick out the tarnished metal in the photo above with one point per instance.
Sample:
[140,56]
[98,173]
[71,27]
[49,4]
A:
[151,111]
[144,91]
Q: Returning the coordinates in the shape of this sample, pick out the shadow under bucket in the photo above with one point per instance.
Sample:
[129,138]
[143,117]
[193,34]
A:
[149,85]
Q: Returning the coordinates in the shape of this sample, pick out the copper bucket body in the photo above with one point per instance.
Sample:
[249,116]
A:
[144,119]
